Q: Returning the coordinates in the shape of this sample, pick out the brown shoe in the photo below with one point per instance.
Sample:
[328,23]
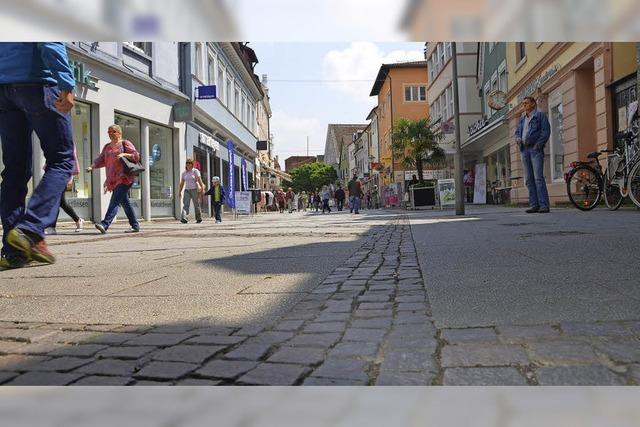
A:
[32,250]
[544,210]
[532,210]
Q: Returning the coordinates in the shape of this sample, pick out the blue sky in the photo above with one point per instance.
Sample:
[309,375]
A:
[341,77]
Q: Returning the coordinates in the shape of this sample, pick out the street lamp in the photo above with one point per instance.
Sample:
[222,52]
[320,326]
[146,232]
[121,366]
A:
[458,156]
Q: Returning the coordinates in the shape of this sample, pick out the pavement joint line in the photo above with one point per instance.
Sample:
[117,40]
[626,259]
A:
[135,286]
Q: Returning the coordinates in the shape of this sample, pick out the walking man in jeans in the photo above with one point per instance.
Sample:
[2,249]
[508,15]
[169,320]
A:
[355,194]
[532,134]
[36,94]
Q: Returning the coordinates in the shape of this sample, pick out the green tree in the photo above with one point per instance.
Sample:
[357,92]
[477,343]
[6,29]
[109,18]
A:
[415,144]
[310,176]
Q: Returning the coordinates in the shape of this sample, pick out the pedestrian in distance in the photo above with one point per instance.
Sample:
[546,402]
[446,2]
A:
[51,230]
[325,199]
[218,195]
[304,199]
[317,200]
[280,197]
[290,197]
[191,186]
[118,181]
[355,194]
[532,134]
[36,94]
[340,197]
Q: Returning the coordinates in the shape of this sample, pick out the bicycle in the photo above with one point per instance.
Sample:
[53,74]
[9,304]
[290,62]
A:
[587,184]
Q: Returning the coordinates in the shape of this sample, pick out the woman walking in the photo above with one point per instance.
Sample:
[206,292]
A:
[325,200]
[51,230]
[191,183]
[118,180]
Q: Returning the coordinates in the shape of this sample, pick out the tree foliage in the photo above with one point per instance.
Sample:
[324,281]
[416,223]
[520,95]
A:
[415,144]
[310,176]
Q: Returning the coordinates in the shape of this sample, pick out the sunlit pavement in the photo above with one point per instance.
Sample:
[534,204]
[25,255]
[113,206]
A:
[387,297]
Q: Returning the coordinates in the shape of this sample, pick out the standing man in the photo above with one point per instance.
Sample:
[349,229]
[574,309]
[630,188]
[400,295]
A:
[191,183]
[36,94]
[355,194]
[532,134]
[217,194]
[340,196]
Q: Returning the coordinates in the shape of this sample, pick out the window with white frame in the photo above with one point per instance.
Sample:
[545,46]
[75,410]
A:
[243,111]
[442,54]
[236,102]
[557,137]
[211,66]
[502,76]
[432,73]
[415,93]
[487,110]
[450,98]
[248,115]
[492,45]
[448,50]
[220,84]
[494,87]
[199,58]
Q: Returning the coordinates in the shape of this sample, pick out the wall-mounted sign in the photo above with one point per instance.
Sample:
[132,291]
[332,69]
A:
[448,127]
[206,92]
[183,111]
[477,126]
[534,84]
[262,145]
[209,141]
[82,75]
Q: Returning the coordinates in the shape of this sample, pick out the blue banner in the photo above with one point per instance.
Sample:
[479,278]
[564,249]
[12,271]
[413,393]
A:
[245,176]
[231,190]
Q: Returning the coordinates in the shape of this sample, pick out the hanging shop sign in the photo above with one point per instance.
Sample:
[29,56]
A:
[209,141]
[206,92]
[534,84]
[183,111]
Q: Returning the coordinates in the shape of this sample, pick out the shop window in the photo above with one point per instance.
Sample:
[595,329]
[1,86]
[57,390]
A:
[79,196]
[131,131]
[161,170]
[557,139]
[225,174]
[237,178]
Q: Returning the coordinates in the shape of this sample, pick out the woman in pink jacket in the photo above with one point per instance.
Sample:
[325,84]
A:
[118,180]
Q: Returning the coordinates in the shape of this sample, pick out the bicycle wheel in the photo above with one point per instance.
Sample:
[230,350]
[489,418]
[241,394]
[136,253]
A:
[634,183]
[611,192]
[584,187]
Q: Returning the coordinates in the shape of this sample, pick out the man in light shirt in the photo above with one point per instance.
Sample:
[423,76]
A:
[532,135]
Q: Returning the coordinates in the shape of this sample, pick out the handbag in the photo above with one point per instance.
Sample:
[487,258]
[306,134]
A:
[131,168]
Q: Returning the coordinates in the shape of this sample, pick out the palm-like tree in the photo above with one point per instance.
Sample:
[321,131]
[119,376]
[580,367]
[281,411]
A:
[416,144]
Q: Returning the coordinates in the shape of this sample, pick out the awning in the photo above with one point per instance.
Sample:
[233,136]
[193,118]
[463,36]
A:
[487,129]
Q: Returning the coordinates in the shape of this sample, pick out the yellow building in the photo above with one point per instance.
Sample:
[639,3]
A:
[584,88]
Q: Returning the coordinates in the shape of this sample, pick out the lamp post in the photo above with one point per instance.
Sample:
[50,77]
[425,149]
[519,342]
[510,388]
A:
[458,156]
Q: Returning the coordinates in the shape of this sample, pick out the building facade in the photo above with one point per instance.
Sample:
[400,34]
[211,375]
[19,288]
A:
[487,141]
[231,116]
[401,91]
[575,84]
[290,163]
[336,148]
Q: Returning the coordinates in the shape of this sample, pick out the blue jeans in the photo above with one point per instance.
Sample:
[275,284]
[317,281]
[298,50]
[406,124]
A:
[120,196]
[25,108]
[355,203]
[217,207]
[533,162]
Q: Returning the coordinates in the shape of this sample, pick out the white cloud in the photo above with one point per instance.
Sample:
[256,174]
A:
[358,66]
[290,135]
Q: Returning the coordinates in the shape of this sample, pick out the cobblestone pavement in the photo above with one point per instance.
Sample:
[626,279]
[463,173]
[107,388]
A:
[368,322]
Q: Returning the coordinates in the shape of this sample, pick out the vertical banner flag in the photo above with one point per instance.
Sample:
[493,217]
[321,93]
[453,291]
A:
[245,176]
[480,187]
[231,190]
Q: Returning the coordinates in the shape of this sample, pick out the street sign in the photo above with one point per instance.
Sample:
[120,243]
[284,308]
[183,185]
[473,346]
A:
[206,92]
